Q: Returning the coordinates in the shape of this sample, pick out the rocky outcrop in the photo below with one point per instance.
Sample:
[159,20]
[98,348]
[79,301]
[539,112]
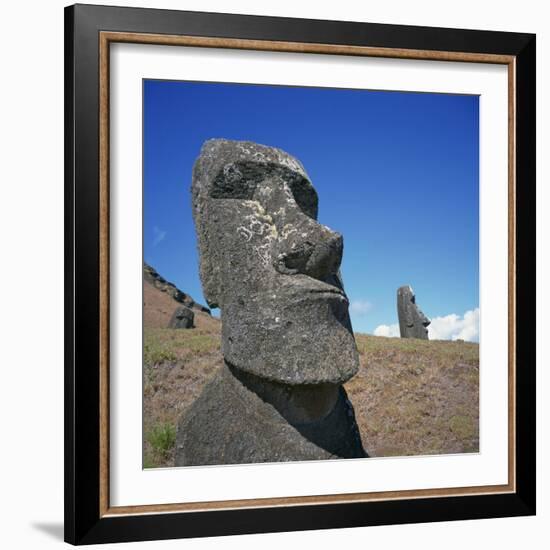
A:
[151,276]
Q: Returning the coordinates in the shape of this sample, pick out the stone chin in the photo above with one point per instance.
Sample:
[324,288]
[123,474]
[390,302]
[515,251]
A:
[306,341]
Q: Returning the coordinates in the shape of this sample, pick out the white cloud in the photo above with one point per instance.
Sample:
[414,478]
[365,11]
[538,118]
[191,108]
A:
[159,235]
[449,327]
[387,330]
[360,307]
[454,327]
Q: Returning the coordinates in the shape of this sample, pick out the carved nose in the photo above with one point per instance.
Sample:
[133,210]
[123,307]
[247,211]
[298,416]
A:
[318,258]
[425,321]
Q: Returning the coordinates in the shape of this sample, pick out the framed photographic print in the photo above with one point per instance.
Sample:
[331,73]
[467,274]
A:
[299,274]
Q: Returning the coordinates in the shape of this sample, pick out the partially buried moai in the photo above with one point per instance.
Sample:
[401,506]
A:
[287,340]
[412,322]
[183,317]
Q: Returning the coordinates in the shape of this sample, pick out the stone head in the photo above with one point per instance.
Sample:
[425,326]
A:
[412,321]
[270,266]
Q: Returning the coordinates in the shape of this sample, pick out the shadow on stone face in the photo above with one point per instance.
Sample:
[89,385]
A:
[236,422]
[322,413]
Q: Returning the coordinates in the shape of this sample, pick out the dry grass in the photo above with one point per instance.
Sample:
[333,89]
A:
[411,397]
[416,397]
[177,364]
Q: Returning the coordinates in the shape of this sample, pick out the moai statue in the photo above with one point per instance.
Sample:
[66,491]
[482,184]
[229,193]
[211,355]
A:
[412,322]
[287,340]
[182,317]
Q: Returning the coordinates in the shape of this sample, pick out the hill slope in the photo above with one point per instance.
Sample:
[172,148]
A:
[410,396]
[161,298]
[416,397]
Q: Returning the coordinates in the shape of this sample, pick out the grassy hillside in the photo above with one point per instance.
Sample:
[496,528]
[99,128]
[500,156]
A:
[177,364]
[416,397]
[410,396]
[158,308]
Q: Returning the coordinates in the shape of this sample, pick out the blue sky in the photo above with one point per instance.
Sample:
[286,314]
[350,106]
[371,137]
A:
[397,173]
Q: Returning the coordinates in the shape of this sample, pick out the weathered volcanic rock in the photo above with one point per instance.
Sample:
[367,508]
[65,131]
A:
[231,423]
[183,317]
[270,266]
[412,322]
[287,340]
[151,276]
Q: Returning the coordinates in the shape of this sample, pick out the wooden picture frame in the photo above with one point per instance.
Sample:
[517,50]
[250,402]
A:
[89,32]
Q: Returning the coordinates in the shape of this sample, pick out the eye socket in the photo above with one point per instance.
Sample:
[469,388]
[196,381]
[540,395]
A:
[234,181]
[239,180]
[304,194]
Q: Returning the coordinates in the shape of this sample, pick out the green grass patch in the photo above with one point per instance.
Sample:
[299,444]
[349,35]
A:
[155,352]
[165,345]
[162,438]
[149,462]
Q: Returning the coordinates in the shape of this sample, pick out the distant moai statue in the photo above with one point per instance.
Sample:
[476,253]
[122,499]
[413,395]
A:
[412,322]
[182,317]
[287,340]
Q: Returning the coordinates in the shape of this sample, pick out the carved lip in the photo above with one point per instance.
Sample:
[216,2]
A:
[314,289]
[329,293]
[332,290]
